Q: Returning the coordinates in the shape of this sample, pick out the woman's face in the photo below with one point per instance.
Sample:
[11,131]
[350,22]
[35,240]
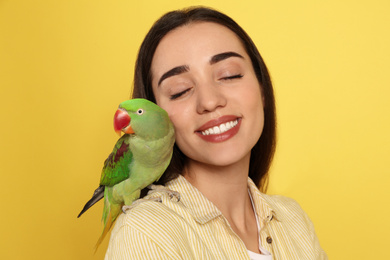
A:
[203,77]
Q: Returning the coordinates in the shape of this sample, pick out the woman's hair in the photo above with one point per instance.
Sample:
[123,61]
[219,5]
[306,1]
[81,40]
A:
[262,153]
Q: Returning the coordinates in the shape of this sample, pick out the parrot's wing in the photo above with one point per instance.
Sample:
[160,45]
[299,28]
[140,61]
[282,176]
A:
[116,166]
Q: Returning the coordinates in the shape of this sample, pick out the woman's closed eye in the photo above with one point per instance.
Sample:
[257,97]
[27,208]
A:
[177,95]
[236,76]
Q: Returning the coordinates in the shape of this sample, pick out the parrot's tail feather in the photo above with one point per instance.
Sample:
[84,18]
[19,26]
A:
[110,214]
[97,195]
[107,228]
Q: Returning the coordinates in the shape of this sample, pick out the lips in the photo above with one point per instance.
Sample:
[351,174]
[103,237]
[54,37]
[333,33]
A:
[220,129]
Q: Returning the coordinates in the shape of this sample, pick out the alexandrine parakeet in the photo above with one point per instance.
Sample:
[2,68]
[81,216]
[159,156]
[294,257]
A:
[138,159]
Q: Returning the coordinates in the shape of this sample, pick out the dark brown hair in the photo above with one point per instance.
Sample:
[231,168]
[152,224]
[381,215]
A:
[262,153]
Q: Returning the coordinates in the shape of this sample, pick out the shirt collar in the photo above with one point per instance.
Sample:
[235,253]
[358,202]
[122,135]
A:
[264,206]
[204,210]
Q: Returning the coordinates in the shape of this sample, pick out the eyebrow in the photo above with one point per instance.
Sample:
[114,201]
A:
[184,68]
[172,72]
[223,56]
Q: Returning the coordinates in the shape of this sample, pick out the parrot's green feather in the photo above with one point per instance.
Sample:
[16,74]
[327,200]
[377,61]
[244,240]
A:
[116,166]
[137,160]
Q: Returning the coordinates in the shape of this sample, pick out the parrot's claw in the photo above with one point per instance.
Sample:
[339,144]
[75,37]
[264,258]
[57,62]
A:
[171,193]
[124,208]
[137,202]
[175,194]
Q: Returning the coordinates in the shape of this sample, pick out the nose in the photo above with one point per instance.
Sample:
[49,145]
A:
[209,98]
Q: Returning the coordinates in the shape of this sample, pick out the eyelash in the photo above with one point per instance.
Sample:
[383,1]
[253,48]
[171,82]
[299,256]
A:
[238,76]
[175,96]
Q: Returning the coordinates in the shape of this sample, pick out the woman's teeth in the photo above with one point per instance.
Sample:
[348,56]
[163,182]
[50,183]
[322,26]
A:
[220,129]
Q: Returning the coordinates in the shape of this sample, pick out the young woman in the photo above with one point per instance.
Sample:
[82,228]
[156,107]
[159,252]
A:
[205,71]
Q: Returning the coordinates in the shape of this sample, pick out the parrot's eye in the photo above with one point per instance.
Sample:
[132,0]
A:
[140,111]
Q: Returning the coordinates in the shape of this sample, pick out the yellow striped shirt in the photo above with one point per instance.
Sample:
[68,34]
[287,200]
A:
[193,228]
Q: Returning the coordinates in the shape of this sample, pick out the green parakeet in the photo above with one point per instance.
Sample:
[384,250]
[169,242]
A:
[139,157]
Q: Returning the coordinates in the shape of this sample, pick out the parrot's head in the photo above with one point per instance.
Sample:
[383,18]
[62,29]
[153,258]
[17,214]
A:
[143,118]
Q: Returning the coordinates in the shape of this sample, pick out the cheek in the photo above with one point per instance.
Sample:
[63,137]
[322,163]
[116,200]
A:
[180,117]
[182,120]
[260,122]
[259,108]
[255,108]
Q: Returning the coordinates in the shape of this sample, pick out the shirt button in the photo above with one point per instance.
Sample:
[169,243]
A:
[269,240]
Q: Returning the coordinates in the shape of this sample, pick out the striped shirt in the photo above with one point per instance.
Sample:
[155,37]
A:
[163,227]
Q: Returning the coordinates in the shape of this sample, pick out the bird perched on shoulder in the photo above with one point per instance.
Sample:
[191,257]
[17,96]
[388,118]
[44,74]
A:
[138,159]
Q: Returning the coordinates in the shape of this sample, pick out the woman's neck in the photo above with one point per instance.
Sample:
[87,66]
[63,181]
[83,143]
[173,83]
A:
[225,186]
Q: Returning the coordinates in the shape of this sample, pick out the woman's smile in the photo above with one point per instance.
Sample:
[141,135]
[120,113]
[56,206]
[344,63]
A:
[220,129]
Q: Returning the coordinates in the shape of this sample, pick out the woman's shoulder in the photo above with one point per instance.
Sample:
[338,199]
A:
[286,208]
[152,223]
[152,213]
[280,201]
[277,205]
[296,225]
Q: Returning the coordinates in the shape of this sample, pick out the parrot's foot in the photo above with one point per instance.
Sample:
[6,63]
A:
[175,194]
[137,202]
[172,194]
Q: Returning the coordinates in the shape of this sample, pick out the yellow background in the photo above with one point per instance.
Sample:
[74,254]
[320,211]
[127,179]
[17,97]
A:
[66,65]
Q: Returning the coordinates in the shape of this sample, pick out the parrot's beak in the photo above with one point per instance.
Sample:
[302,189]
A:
[122,122]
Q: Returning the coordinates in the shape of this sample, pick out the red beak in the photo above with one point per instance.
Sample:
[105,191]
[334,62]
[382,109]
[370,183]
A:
[122,122]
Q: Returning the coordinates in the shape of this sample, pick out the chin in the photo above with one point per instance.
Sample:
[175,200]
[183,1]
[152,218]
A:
[222,159]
